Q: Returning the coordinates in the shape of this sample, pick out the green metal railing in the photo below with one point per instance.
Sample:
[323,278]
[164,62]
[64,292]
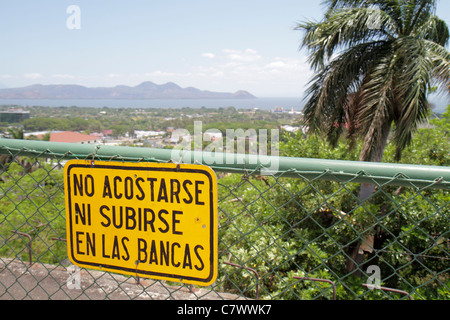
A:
[288,227]
[365,172]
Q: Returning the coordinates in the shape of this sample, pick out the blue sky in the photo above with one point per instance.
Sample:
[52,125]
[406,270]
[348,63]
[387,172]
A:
[212,45]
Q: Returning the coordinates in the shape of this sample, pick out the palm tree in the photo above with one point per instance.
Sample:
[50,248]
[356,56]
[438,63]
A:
[16,133]
[375,63]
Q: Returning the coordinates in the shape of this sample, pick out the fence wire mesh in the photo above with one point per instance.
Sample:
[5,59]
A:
[289,235]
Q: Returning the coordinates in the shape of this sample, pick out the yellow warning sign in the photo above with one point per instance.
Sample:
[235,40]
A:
[143,219]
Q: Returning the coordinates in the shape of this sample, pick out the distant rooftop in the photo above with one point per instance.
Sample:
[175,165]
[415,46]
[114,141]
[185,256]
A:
[72,137]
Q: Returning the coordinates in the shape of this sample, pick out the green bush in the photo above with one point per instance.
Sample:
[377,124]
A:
[32,202]
[284,227]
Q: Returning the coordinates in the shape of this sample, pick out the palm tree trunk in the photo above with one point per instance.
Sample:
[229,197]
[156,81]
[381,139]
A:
[355,257]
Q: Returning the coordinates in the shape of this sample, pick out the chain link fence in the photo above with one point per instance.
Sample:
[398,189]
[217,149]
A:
[298,232]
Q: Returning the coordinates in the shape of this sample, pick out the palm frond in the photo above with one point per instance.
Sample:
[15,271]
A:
[413,88]
[435,30]
[375,61]
[376,113]
[416,13]
[344,29]
[331,85]
[441,66]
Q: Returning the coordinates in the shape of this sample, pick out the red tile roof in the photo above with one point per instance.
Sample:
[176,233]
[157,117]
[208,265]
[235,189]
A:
[71,137]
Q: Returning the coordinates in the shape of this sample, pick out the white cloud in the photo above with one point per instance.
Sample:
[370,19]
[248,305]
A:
[227,70]
[277,64]
[33,75]
[164,74]
[63,76]
[248,55]
[156,73]
[208,55]
[249,70]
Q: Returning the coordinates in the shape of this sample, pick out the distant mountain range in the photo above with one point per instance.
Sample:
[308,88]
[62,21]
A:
[146,90]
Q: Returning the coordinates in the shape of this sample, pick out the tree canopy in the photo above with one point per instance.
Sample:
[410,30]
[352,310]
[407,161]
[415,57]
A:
[375,62]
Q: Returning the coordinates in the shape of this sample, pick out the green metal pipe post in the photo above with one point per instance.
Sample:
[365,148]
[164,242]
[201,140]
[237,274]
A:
[337,170]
